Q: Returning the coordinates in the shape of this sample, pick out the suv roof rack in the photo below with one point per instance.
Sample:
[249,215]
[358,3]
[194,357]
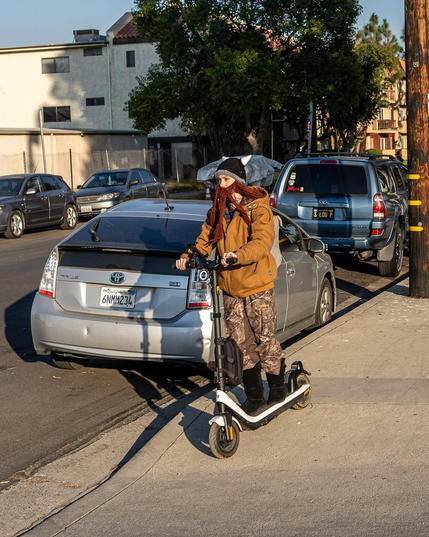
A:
[370,156]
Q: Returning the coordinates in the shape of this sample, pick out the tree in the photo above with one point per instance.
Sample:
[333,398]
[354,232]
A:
[226,66]
[356,99]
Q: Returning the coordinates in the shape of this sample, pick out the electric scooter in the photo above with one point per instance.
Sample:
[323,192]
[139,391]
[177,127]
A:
[230,420]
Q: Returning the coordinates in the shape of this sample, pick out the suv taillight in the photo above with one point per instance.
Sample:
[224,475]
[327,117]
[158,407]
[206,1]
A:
[47,283]
[199,293]
[379,208]
[273,199]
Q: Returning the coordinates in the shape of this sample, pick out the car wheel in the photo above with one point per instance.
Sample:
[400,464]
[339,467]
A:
[324,305]
[70,218]
[392,268]
[15,225]
[60,362]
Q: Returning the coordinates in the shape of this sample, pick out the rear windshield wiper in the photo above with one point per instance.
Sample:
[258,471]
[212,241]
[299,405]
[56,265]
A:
[93,231]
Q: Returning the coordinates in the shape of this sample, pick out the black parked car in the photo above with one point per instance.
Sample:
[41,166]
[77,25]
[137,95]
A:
[105,189]
[35,200]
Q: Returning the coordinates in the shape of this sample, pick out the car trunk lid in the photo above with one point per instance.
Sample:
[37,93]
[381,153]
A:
[121,284]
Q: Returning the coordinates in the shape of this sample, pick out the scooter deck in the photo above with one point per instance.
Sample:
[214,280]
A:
[267,414]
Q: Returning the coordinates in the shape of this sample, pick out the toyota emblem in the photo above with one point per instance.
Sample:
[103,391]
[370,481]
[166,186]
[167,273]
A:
[117,277]
[324,202]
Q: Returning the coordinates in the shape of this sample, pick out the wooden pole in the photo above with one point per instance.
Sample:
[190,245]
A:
[417,65]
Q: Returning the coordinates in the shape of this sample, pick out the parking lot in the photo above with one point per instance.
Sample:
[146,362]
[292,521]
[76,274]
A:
[47,411]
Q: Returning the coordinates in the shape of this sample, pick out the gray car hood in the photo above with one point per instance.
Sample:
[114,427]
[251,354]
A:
[96,191]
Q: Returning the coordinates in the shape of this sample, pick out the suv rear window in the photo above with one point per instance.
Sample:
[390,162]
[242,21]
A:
[148,234]
[324,179]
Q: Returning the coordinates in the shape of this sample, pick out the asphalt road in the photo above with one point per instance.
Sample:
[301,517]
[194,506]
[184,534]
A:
[46,411]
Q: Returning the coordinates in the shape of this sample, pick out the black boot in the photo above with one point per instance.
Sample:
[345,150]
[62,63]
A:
[254,389]
[278,386]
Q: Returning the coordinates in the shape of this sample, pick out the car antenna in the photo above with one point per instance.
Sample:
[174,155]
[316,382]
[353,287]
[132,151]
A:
[169,207]
[93,230]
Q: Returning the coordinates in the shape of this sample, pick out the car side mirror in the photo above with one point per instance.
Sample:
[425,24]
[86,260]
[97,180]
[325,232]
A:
[315,246]
[79,186]
[31,191]
[134,182]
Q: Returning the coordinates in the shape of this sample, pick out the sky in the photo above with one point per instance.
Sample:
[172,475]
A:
[42,22]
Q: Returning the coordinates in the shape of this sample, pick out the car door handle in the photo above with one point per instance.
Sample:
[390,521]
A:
[290,271]
[44,198]
[61,196]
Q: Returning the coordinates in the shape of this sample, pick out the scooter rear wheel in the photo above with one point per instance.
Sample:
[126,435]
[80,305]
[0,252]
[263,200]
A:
[306,400]
[219,444]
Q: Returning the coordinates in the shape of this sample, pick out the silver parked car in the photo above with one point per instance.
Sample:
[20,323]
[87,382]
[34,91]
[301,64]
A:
[109,290]
[105,189]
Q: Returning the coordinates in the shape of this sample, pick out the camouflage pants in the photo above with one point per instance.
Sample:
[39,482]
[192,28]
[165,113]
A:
[252,322]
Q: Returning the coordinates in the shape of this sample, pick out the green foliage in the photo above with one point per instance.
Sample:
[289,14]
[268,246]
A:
[225,66]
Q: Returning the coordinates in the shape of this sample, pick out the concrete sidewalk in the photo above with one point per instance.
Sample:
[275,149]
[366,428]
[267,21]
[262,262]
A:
[354,463]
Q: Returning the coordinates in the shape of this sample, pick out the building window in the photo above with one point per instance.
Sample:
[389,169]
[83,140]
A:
[54,114]
[382,143]
[392,113]
[56,65]
[131,58]
[95,101]
[93,51]
[401,85]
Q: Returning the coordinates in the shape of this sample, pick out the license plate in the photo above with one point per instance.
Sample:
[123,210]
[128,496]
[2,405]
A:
[85,208]
[114,297]
[323,214]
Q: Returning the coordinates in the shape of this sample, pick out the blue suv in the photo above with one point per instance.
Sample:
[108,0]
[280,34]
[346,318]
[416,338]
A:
[355,203]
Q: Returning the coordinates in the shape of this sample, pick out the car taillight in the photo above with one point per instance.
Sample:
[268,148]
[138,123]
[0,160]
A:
[47,283]
[329,162]
[379,208]
[199,293]
[273,199]
[377,232]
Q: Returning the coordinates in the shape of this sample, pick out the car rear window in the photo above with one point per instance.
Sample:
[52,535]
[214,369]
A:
[324,179]
[164,234]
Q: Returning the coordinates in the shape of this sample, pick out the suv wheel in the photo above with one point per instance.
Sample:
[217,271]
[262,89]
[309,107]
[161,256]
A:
[15,226]
[392,268]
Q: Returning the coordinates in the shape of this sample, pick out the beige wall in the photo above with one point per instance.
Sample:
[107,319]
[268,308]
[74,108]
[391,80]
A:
[22,152]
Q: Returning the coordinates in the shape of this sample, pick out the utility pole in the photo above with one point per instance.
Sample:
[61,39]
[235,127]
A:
[417,77]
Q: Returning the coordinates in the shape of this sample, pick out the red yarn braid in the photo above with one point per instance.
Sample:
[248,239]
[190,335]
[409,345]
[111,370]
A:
[219,205]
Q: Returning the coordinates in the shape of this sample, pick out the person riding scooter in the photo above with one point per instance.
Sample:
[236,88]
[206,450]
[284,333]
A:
[240,225]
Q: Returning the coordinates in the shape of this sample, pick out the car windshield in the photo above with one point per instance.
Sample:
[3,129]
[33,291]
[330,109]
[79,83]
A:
[147,233]
[10,187]
[327,179]
[106,179]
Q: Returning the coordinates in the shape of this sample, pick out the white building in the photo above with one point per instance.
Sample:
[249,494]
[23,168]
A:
[80,87]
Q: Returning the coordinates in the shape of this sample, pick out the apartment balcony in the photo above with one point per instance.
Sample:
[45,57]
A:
[384,125]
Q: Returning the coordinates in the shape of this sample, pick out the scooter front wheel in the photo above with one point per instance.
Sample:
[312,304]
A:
[221,447]
[306,400]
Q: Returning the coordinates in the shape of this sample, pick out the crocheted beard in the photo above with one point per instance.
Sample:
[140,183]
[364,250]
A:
[222,195]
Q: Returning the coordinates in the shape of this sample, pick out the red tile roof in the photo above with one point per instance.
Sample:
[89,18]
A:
[129,31]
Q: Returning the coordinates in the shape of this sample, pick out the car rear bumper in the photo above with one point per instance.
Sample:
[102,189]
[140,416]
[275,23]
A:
[188,337]
[351,245]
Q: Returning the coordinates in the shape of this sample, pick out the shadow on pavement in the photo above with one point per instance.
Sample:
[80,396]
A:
[18,329]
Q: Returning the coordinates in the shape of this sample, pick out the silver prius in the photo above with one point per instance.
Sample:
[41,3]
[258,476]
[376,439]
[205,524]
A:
[109,290]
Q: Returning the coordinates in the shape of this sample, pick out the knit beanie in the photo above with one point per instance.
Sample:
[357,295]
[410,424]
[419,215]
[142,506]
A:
[232,167]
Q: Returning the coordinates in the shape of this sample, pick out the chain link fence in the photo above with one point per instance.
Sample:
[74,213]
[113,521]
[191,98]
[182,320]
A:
[76,167]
